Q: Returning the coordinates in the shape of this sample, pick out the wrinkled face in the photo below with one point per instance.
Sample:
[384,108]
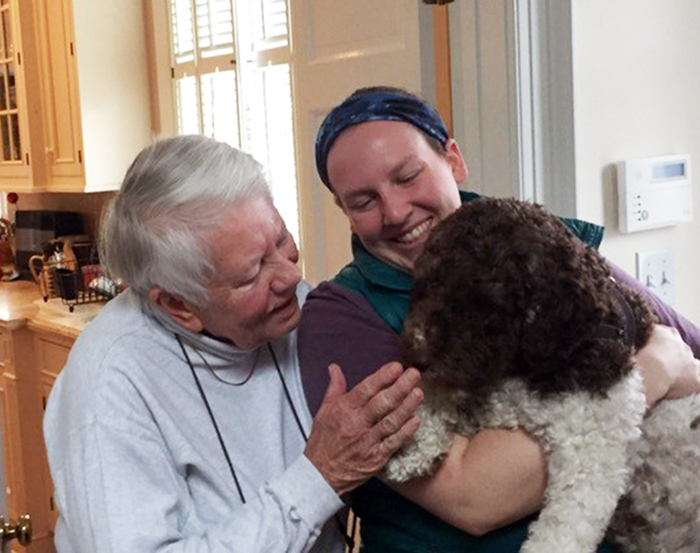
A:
[253,295]
[394,187]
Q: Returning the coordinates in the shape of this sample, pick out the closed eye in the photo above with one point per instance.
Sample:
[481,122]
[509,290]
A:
[249,282]
[284,238]
[250,278]
[407,178]
[362,203]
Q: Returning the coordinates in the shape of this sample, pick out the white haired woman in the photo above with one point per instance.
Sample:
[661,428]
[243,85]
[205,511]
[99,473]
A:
[179,422]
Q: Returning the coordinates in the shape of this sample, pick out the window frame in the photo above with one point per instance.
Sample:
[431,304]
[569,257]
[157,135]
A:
[267,53]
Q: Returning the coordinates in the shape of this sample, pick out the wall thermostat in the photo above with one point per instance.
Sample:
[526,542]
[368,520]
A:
[654,192]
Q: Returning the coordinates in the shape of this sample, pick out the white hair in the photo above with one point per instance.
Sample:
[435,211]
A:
[156,232]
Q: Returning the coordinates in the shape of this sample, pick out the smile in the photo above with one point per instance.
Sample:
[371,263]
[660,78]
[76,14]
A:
[415,233]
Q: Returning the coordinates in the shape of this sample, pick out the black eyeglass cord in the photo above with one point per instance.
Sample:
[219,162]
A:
[286,392]
[213,420]
[349,538]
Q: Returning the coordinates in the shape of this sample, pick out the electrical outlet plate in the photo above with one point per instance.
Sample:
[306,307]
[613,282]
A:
[656,270]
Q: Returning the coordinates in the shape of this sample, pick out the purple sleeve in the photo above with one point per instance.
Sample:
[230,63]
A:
[339,326]
[666,315]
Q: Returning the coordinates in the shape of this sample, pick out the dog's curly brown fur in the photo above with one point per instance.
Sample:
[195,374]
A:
[518,296]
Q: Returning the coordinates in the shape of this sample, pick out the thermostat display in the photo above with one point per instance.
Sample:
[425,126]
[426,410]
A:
[663,171]
[654,192]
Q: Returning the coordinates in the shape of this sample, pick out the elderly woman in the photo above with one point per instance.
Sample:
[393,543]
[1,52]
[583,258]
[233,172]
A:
[388,160]
[179,422]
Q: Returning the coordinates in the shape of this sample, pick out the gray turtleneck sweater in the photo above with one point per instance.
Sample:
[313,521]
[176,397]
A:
[135,459]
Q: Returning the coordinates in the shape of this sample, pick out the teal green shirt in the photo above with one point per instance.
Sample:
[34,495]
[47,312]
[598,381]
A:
[391,523]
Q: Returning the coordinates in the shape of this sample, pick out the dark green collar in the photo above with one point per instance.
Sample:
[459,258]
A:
[377,272]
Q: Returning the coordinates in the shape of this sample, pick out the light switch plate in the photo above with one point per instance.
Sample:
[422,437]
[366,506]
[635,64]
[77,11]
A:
[656,270]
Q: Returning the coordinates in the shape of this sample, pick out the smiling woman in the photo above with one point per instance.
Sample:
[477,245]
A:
[395,188]
[376,154]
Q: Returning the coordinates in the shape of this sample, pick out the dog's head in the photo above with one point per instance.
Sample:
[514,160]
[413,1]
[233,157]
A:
[504,289]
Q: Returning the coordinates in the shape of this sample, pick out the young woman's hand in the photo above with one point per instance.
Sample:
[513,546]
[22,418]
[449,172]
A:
[668,366]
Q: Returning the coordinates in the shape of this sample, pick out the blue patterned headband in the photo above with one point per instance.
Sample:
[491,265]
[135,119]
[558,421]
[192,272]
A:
[375,106]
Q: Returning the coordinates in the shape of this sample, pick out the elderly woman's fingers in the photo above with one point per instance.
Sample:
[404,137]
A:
[374,384]
[393,420]
[388,399]
[687,381]
[355,432]
[391,443]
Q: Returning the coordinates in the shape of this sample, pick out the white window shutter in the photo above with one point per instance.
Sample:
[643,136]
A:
[182,34]
[274,21]
[214,27]
[212,58]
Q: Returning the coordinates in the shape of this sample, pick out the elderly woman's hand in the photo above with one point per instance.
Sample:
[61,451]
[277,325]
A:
[354,433]
[668,366]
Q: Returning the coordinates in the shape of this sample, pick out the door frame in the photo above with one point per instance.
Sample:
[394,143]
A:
[512,73]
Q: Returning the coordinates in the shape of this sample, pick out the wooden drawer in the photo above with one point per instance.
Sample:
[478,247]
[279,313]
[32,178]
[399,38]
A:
[52,353]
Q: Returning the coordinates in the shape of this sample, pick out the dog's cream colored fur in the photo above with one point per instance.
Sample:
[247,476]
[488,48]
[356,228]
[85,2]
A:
[586,439]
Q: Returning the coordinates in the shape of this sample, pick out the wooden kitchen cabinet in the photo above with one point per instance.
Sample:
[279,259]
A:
[79,69]
[20,100]
[35,340]
[51,351]
[29,362]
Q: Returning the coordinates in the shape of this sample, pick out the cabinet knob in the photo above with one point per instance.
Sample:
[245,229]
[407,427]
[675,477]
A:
[21,530]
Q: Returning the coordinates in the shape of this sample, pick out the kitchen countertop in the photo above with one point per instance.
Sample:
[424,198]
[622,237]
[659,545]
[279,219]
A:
[21,304]
[17,302]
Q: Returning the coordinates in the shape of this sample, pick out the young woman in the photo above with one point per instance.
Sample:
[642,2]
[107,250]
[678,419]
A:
[394,171]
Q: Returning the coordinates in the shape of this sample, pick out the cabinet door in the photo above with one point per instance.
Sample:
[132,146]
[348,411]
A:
[8,405]
[54,27]
[52,355]
[22,155]
[31,361]
[14,160]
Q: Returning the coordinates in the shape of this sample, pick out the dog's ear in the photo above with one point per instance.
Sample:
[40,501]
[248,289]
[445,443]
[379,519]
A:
[643,315]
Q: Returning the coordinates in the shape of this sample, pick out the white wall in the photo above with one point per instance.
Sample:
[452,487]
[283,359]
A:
[637,94]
